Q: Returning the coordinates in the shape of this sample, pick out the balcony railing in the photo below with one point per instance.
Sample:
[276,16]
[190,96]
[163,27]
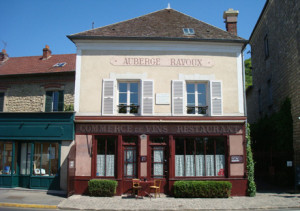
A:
[197,109]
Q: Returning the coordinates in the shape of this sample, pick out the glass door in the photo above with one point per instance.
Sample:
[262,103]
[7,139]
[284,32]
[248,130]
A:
[24,164]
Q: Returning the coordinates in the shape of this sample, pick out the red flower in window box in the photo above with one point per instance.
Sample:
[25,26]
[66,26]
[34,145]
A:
[221,172]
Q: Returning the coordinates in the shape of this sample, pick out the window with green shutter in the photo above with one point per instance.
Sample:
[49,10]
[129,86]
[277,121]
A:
[54,101]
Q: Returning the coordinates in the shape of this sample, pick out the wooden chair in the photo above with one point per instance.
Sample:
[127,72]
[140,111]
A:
[136,187]
[156,187]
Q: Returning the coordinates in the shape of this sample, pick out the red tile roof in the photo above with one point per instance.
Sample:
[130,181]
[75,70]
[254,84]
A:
[35,64]
[160,25]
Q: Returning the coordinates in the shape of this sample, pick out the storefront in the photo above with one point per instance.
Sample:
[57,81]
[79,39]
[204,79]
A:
[33,148]
[168,148]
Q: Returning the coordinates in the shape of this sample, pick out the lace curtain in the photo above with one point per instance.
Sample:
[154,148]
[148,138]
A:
[197,165]
[158,168]
[110,165]
[129,167]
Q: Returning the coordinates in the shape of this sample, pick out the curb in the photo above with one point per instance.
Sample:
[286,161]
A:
[41,206]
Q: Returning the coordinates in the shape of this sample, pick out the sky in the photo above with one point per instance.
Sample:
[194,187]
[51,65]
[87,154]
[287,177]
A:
[28,25]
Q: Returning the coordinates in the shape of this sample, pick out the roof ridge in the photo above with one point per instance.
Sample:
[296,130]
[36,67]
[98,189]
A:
[123,21]
[42,55]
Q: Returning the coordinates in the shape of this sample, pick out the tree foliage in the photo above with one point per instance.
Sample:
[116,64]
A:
[248,72]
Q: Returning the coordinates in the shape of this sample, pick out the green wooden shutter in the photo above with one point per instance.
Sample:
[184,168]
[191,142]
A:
[61,101]
[48,104]
[1,101]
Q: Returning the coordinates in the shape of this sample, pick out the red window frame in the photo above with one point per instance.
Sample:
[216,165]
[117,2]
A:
[204,147]
[130,146]
[97,139]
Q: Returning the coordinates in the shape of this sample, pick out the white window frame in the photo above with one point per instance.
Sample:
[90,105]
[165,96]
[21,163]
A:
[128,97]
[195,83]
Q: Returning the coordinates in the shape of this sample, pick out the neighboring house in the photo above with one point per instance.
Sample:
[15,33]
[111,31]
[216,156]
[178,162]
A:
[275,54]
[35,132]
[160,97]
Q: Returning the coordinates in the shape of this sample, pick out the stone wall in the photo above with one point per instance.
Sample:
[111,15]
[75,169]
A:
[277,76]
[27,93]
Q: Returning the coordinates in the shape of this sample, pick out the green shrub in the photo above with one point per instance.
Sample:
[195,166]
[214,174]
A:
[104,188]
[202,189]
[251,191]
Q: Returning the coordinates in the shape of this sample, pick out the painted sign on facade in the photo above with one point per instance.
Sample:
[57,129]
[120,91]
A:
[161,61]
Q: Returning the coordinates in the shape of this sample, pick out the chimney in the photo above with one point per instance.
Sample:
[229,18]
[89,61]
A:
[230,17]
[46,52]
[3,56]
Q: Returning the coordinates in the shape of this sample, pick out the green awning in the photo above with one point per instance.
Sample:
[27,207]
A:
[37,126]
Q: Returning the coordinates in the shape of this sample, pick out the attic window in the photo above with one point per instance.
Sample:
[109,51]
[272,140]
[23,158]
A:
[188,31]
[60,64]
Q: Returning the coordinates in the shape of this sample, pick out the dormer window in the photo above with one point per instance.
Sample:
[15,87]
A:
[188,31]
[60,64]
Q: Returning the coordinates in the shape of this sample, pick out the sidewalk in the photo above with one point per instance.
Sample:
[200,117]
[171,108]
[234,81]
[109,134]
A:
[30,198]
[261,201]
[42,199]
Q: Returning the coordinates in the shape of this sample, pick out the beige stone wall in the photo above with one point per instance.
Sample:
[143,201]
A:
[27,93]
[96,66]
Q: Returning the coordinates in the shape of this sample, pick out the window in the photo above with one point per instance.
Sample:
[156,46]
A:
[188,31]
[199,156]
[25,158]
[6,158]
[159,156]
[128,98]
[1,101]
[45,159]
[106,151]
[193,98]
[266,46]
[196,98]
[130,161]
[54,101]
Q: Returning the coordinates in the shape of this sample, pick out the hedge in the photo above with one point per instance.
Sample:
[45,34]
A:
[104,188]
[202,189]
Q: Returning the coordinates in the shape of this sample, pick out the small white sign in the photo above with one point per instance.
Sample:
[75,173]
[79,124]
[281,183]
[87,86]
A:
[289,163]
[162,99]
[71,164]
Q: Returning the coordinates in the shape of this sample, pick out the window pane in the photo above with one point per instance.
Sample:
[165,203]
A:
[111,145]
[1,101]
[210,158]
[179,157]
[122,87]
[123,98]
[100,168]
[191,99]
[6,158]
[55,101]
[199,158]
[37,159]
[101,146]
[53,157]
[134,99]
[25,158]
[189,157]
[220,156]
[130,139]
[190,88]
[159,139]
[49,97]
[130,162]
[201,95]
[134,87]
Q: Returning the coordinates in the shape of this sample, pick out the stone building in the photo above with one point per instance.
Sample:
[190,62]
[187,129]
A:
[160,97]
[275,54]
[35,131]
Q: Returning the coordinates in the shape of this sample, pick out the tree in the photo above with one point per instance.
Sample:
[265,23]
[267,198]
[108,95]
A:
[248,72]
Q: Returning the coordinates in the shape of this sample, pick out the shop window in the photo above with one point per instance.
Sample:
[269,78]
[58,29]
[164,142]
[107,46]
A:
[25,158]
[128,98]
[158,156]
[45,159]
[54,101]
[196,98]
[130,156]
[106,156]
[1,101]
[199,156]
[6,159]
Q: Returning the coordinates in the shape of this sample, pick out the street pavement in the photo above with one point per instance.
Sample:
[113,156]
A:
[53,200]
